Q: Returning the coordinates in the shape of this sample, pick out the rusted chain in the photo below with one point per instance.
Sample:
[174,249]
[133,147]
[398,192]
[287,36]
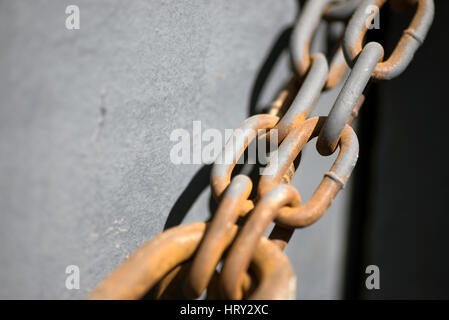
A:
[237,261]
[217,235]
[410,41]
[255,267]
[333,181]
[234,148]
[303,32]
[302,35]
[349,97]
[307,95]
[138,274]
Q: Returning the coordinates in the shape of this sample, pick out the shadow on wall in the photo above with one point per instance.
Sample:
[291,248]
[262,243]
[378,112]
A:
[201,180]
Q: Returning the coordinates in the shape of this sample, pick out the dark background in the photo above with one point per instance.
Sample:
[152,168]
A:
[399,216]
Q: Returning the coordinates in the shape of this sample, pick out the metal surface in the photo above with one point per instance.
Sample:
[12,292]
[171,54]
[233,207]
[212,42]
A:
[306,97]
[238,258]
[303,34]
[153,260]
[217,234]
[341,10]
[234,148]
[349,97]
[332,182]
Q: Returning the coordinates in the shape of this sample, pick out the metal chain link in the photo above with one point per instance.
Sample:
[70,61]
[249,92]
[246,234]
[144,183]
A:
[255,267]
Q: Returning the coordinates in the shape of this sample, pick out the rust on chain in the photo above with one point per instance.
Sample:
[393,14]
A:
[300,106]
[239,256]
[168,287]
[217,235]
[338,68]
[214,290]
[349,98]
[303,32]
[184,259]
[285,97]
[306,97]
[355,111]
[234,148]
[333,181]
[410,41]
[302,35]
[277,280]
[340,10]
[281,202]
[279,107]
[138,274]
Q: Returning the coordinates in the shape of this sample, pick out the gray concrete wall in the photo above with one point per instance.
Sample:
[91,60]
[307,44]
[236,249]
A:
[79,189]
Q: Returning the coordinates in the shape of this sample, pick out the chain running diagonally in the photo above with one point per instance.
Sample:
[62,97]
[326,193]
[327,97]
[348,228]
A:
[187,257]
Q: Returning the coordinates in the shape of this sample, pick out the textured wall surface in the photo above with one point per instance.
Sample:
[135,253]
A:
[80,188]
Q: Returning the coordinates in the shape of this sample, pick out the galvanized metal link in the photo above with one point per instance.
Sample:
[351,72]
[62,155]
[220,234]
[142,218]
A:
[303,32]
[307,95]
[348,98]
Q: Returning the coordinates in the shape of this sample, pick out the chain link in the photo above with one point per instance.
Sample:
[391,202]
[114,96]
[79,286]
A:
[255,267]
